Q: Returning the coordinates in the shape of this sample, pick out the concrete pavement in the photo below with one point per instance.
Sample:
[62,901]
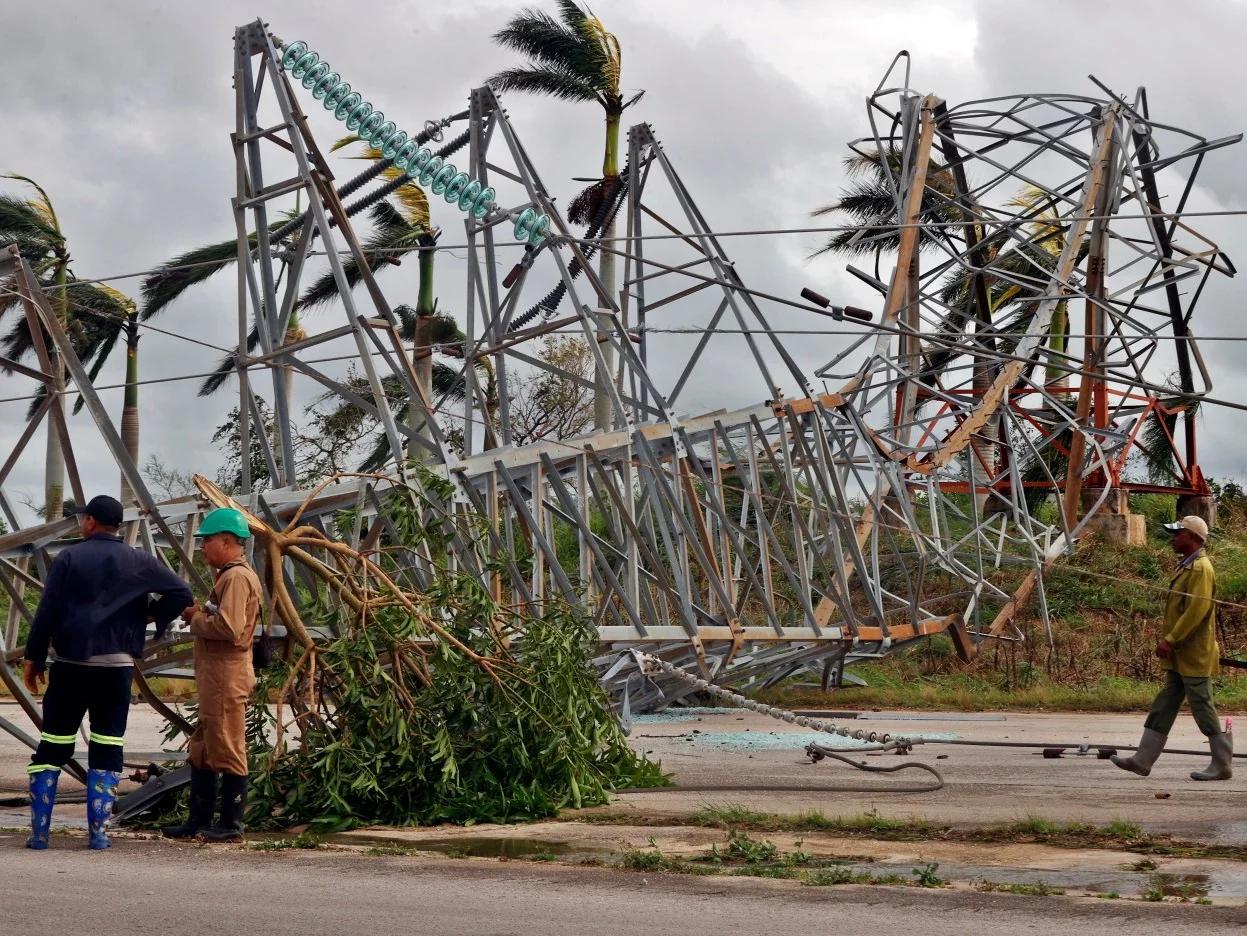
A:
[729,756]
[143,887]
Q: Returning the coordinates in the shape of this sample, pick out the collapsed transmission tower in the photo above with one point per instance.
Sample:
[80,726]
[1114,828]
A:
[902,490]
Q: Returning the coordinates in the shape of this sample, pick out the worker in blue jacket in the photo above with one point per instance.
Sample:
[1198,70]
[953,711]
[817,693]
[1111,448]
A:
[94,611]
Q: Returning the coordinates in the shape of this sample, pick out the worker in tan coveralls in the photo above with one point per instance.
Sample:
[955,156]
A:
[223,629]
[1188,651]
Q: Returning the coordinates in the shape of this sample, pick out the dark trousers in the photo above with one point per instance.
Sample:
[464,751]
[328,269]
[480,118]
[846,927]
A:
[73,692]
[1197,690]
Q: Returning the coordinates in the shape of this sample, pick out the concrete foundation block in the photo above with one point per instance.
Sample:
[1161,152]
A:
[1130,529]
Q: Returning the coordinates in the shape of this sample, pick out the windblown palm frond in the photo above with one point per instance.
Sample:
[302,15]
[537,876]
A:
[228,365]
[410,195]
[573,58]
[190,269]
[96,317]
[23,226]
[41,206]
[551,81]
[390,232]
[186,270]
[1159,434]
[871,204]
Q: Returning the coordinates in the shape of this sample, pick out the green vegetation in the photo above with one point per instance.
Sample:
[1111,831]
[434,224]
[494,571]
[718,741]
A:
[391,850]
[867,823]
[306,840]
[1105,604]
[762,859]
[741,846]
[1125,836]
[926,875]
[418,713]
[1038,889]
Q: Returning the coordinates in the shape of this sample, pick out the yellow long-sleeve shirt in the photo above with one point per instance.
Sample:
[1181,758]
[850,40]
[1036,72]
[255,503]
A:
[1191,620]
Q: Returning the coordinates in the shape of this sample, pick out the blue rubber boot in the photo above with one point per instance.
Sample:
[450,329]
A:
[42,799]
[101,794]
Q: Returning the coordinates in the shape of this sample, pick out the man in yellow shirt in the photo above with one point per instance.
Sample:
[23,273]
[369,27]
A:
[1188,650]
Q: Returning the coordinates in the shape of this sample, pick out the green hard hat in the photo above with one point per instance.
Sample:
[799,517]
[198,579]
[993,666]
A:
[225,520]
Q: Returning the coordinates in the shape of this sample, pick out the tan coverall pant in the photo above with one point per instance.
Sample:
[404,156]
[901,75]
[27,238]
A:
[223,671]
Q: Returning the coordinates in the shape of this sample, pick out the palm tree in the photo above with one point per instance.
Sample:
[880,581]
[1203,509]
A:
[344,424]
[872,206]
[128,326]
[397,228]
[1019,274]
[196,266]
[93,315]
[574,58]
[870,203]
[400,223]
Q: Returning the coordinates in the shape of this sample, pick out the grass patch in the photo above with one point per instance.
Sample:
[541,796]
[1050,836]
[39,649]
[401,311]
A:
[650,859]
[1127,831]
[825,877]
[1042,828]
[867,823]
[725,816]
[307,840]
[1126,836]
[388,851]
[762,860]
[741,846]
[1038,889]
[540,856]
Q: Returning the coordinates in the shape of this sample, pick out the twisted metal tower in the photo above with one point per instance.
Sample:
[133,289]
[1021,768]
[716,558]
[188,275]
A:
[918,483]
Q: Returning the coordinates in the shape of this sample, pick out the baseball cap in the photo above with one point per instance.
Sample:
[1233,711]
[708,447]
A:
[1194,524]
[103,509]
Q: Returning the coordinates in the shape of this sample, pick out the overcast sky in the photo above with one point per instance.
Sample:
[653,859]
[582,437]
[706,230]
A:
[122,111]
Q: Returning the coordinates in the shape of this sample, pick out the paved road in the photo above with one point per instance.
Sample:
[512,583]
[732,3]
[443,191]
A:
[732,757]
[144,887]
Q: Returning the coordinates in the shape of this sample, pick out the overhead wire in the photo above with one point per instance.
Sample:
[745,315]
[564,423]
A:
[587,241]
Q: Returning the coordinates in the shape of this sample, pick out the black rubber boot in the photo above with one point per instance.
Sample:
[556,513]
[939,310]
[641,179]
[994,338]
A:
[229,827]
[1144,756]
[1222,766]
[203,804]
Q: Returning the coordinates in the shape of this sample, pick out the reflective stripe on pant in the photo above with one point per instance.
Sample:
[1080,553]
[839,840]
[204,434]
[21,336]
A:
[74,691]
[1197,690]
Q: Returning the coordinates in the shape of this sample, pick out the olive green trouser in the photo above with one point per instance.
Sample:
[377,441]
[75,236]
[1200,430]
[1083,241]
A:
[1198,693]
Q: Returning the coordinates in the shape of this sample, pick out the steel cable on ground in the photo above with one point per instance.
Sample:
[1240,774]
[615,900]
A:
[649,664]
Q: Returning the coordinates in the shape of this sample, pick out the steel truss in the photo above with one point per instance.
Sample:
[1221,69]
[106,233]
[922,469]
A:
[805,532]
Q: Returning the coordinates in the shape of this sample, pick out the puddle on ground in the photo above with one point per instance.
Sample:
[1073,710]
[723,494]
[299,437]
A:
[1187,886]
